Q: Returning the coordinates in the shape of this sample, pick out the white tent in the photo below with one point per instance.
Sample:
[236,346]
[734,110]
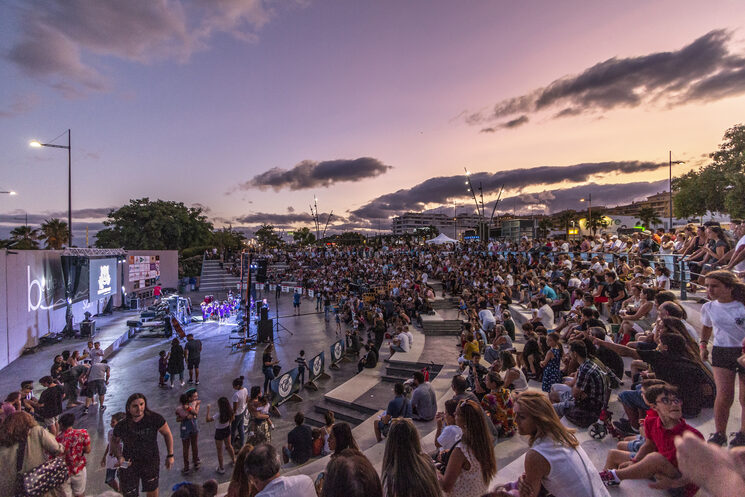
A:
[442,239]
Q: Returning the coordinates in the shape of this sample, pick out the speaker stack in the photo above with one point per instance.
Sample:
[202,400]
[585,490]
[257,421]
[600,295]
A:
[266,330]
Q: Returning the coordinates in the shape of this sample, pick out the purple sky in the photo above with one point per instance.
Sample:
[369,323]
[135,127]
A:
[215,102]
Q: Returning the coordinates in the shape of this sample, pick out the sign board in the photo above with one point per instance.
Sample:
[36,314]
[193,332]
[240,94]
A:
[337,351]
[316,367]
[573,231]
[311,293]
[102,278]
[299,289]
[272,287]
[284,386]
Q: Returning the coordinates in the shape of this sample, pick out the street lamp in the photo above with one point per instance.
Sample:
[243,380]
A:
[9,192]
[38,144]
[670,189]
[589,210]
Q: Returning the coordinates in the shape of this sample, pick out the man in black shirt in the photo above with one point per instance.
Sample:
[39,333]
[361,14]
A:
[50,404]
[138,435]
[299,442]
[616,293]
[193,352]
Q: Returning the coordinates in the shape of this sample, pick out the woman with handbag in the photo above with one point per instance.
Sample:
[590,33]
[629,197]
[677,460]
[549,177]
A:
[20,431]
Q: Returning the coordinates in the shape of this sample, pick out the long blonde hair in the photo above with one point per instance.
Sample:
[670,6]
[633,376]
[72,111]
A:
[537,406]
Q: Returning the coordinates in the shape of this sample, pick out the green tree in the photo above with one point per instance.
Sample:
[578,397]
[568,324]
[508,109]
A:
[564,220]
[596,220]
[350,238]
[54,233]
[157,225]
[24,238]
[303,236]
[648,217]
[266,236]
[227,240]
[544,226]
[718,186]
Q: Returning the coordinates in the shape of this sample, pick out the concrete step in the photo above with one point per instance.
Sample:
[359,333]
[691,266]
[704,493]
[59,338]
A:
[350,413]
[407,371]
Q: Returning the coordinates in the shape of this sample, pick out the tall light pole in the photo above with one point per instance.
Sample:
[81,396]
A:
[670,189]
[589,210]
[9,192]
[38,144]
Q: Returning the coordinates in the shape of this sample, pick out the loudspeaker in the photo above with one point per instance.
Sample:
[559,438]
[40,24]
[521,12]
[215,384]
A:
[266,331]
[264,314]
[261,271]
[87,328]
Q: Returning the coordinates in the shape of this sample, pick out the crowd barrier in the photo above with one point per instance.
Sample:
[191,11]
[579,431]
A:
[287,385]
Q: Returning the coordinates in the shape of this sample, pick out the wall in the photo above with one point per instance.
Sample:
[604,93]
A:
[168,260]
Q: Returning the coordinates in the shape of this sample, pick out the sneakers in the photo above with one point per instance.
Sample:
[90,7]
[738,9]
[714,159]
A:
[718,439]
[102,408]
[185,471]
[196,382]
[85,411]
[182,383]
[738,440]
[624,426]
[220,471]
[609,478]
[190,381]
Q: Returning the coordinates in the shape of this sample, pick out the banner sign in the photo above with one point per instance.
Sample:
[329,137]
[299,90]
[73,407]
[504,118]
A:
[299,289]
[259,286]
[272,287]
[316,366]
[311,293]
[284,386]
[337,351]
[285,289]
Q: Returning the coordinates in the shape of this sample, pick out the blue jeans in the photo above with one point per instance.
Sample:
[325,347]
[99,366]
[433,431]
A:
[633,398]
[236,427]
[268,377]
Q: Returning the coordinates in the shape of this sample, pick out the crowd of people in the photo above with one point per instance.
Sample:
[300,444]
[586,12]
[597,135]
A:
[534,377]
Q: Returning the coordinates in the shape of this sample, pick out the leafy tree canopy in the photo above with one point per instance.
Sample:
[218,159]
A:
[266,236]
[648,217]
[303,236]
[157,225]
[24,238]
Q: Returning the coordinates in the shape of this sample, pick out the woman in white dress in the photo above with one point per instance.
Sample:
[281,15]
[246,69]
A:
[471,465]
[555,460]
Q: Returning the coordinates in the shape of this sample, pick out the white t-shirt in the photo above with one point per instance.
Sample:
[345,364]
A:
[663,282]
[726,320]
[449,435]
[289,486]
[740,243]
[112,461]
[240,397]
[546,315]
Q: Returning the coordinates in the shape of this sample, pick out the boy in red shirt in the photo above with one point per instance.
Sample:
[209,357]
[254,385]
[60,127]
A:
[77,443]
[657,458]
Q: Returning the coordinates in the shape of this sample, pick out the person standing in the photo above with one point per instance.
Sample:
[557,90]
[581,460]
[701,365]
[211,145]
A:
[187,414]
[724,318]
[296,303]
[77,444]
[222,431]
[193,354]
[267,367]
[302,365]
[138,435]
[98,379]
[176,361]
[50,404]
[240,401]
[20,428]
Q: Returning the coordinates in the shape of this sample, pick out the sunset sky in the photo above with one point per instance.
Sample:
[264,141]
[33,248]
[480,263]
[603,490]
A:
[249,108]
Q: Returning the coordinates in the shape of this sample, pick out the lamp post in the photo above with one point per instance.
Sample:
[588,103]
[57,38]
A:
[670,189]
[589,210]
[38,144]
[9,192]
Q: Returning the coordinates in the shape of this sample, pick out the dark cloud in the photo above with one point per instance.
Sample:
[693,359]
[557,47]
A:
[290,209]
[514,123]
[311,174]
[704,70]
[279,219]
[550,201]
[440,189]
[18,216]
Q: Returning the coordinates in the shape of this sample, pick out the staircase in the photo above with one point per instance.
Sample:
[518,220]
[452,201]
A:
[351,413]
[396,372]
[446,303]
[442,327]
[215,279]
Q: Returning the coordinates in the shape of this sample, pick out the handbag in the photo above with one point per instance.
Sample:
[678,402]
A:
[43,478]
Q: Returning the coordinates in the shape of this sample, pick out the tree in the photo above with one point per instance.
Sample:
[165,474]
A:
[266,236]
[227,240]
[24,238]
[648,217]
[596,220]
[54,233]
[544,226]
[158,225]
[350,238]
[716,187]
[303,236]
[564,220]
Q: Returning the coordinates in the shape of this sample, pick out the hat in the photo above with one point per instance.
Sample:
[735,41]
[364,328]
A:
[645,233]
[614,237]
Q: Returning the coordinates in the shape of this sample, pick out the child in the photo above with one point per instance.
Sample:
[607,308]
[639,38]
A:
[109,461]
[302,365]
[187,413]
[162,368]
[337,318]
[264,407]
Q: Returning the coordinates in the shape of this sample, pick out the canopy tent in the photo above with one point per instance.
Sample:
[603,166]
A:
[442,239]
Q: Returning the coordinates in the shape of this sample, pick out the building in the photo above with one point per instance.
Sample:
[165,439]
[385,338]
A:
[515,229]
[409,222]
[660,202]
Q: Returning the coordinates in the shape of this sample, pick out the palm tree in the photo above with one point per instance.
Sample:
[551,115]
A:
[25,238]
[564,220]
[648,217]
[596,220]
[54,232]
[544,226]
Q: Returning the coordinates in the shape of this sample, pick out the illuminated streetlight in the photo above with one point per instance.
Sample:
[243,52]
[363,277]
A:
[38,144]
[10,193]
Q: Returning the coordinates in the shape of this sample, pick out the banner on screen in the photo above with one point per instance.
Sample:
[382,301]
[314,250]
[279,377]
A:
[103,278]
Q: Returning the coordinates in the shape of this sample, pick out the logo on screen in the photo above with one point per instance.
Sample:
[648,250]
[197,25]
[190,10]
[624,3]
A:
[104,280]
[316,368]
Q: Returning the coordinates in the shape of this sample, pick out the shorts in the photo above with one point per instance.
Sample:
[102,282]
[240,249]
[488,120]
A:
[110,475]
[222,433]
[188,428]
[95,387]
[75,485]
[633,398]
[48,422]
[296,304]
[635,445]
[193,363]
[146,474]
[726,358]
